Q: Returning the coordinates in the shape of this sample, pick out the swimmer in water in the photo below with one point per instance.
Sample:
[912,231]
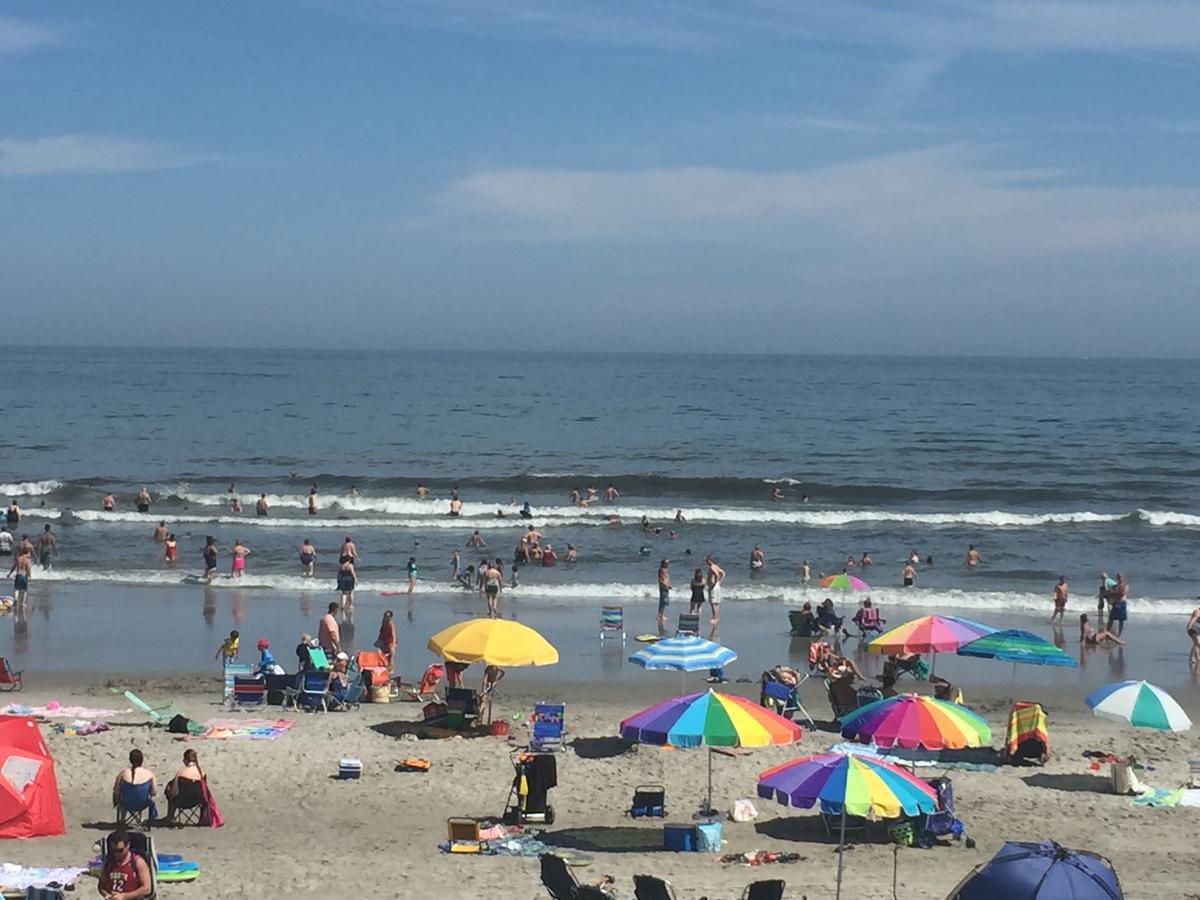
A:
[476,539]
[239,552]
[142,500]
[261,507]
[422,491]
[776,494]
[972,559]
[109,503]
[611,493]
[1060,599]
[308,559]
[160,533]
[679,516]
[908,575]
[865,561]
[805,572]
[455,506]
[235,505]
[210,558]
[758,562]
[171,548]
[572,554]
[312,500]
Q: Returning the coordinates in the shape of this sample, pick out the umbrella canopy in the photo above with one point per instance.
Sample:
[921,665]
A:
[872,788]
[844,582]
[1016,646]
[929,634]
[683,653]
[1139,703]
[1041,870]
[712,719]
[494,642]
[912,720]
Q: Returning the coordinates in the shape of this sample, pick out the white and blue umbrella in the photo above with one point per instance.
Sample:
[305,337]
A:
[683,653]
[1139,703]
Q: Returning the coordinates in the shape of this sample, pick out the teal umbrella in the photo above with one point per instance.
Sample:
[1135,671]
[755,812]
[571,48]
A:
[1016,646]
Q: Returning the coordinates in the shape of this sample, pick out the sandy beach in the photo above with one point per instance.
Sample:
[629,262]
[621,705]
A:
[294,830]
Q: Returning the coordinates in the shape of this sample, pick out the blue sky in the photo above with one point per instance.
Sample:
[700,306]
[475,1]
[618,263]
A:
[1006,177]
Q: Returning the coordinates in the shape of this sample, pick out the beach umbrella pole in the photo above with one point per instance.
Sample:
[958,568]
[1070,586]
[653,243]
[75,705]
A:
[841,850]
[708,810]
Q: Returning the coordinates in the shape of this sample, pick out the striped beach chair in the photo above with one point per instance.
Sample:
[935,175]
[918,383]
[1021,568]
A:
[689,623]
[234,671]
[612,622]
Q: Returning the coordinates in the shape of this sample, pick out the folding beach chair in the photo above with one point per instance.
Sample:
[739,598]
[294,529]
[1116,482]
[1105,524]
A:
[317,659]
[1028,739]
[560,882]
[769,889]
[781,697]
[941,821]
[309,692]
[348,699]
[187,806]
[248,692]
[374,666]
[232,671]
[134,806]
[547,729]
[1193,773]
[463,835]
[832,820]
[651,887]
[160,715]
[425,691]
[688,624]
[10,679]
[844,697]
[612,622]
[143,845]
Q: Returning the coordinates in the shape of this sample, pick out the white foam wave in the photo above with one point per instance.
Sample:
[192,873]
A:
[29,488]
[1168,518]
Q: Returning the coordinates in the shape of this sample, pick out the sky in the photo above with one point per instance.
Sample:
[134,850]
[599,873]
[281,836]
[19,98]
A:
[1007,177]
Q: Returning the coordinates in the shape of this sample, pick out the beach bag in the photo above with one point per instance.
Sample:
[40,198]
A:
[210,815]
[743,811]
[178,724]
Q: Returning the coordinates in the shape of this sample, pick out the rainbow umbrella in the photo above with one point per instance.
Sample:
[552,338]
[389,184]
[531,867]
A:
[710,719]
[854,785]
[912,721]
[929,634]
[844,582]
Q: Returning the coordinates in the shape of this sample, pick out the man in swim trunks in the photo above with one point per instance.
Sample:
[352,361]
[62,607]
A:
[1117,605]
[664,594]
[805,572]
[13,517]
[329,637]
[210,553]
[160,533]
[109,503]
[1193,631]
[348,550]
[1060,599]
[312,500]
[476,539]
[142,500]
[260,507]
[758,562]
[908,575]
[308,558]
[713,580]
[46,547]
[455,506]
[23,568]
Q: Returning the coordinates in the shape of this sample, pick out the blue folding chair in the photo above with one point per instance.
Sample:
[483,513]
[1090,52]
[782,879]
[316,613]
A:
[546,734]
[310,691]
[134,805]
[248,692]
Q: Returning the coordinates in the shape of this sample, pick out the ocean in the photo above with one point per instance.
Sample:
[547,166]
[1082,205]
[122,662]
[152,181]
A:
[1049,467]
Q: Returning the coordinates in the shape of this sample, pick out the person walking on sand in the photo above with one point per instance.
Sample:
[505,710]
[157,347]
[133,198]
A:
[209,553]
[714,579]
[492,582]
[46,547]
[664,594]
[239,552]
[329,637]
[1060,599]
[308,559]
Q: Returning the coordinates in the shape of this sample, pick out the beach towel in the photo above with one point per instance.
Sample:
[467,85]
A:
[246,729]
[53,711]
[1159,797]
[1027,721]
[18,878]
[1191,797]
[970,760]
[210,815]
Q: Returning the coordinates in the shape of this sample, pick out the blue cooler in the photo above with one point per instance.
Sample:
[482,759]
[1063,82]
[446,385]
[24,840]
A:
[680,838]
[708,837]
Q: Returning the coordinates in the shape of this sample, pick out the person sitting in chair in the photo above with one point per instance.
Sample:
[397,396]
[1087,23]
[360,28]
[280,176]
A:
[829,621]
[185,790]
[805,624]
[339,676]
[135,786]
[867,617]
[943,689]
[125,875]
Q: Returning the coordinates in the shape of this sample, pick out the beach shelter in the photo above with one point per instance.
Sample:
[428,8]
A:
[493,642]
[683,653]
[29,803]
[709,719]
[929,634]
[847,785]
[913,721]
[1141,704]
[1041,870]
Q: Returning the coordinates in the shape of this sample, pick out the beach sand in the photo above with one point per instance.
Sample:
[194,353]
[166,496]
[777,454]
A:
[294,830]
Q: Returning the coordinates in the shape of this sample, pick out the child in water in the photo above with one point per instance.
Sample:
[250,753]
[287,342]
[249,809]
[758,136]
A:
[228,650]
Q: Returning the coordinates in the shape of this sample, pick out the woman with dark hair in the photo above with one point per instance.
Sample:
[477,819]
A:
[386,642]
[135,787]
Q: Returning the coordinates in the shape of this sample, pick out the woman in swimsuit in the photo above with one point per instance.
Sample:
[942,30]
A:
[696,603]
[312,501]
[239,552]
[308,558]
[172,548]
[210,558]
[347,579]
[1090,636]
[1193,630]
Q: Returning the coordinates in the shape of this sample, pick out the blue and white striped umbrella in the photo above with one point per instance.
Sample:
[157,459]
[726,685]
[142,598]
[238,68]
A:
[683,653]
[1139,703]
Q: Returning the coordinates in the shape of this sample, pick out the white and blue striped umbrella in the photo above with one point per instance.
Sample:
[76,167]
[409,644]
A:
[1139,703]
[683,653]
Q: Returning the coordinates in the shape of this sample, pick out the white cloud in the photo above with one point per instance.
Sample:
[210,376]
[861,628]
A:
[70,154]
[17,35]
[943,205]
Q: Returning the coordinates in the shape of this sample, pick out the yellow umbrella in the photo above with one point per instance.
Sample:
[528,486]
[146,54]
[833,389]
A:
[494,642]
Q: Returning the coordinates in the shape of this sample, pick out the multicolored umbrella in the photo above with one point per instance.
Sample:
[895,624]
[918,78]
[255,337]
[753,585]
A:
[1016,646]
[844,582]
[849,785]
[912,721]
[929,634]
[710,719]
[1139,703]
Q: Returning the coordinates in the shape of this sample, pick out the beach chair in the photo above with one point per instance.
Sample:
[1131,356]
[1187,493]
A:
[317,659]
[248,692]
[309,692]
[235,670]
[143,845]
[348,699]
[802,623]
[869,622]
[914,666]
[688,624]
[781,697]
[1028,738]
[547,728]
[649,800]
[612,622]
[560,882]
[832,820]
[187,806]
[1193,773]
[374,666]
[844,697]
[768,889]
[10,679]
[942,821]
[425,691]
[134,807]
[160,715]
[463,835]
[651,887]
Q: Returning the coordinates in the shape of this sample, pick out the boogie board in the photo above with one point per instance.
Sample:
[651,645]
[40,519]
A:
[647,638]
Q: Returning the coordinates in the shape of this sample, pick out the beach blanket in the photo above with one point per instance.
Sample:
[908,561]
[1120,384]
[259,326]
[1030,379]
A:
[941,759]
[53,711]
[1191,797]
[18,878]
[1159,797]
[81,727]
[246,729]
[1027,721]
